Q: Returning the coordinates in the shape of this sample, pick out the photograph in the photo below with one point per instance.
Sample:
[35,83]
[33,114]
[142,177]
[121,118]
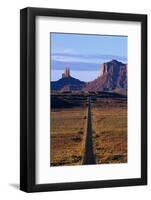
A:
[88,99]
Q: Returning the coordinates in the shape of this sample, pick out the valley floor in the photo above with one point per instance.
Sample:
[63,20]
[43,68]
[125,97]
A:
[69,130]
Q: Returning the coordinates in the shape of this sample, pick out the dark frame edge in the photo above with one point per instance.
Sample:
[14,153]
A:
[23,99]
[87,14]
[144,164]
[26,132]
[87,185]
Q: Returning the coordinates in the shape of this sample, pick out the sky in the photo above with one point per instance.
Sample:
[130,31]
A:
[84,53]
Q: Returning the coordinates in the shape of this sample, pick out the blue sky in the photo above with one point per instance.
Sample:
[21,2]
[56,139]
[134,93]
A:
[83,53]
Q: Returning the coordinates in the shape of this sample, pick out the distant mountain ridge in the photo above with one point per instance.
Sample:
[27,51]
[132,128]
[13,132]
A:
[113,77]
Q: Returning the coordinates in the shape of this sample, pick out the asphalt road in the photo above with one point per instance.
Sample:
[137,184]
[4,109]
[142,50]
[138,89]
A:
[89,157]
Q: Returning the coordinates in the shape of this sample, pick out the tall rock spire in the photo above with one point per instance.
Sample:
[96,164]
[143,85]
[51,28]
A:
[66,73]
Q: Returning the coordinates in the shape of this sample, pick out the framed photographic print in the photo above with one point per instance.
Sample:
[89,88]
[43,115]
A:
[83,95]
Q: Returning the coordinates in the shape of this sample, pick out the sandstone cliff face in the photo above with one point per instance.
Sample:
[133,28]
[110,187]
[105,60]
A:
[113,76]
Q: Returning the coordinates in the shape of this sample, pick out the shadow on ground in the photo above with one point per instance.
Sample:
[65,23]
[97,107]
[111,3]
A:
[14,185]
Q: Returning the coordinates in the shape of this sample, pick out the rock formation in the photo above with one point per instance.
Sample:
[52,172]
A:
[67,83]
[113,75]
[66,73]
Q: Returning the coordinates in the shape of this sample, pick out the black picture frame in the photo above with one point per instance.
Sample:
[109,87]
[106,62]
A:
[28,99]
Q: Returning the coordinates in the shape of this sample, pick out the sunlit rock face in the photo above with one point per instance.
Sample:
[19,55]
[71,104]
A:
[113,75]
